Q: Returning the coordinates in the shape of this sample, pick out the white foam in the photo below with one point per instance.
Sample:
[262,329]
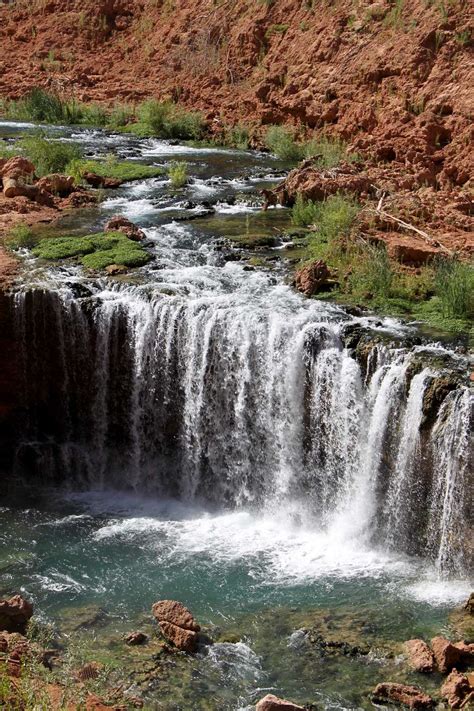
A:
[439,592]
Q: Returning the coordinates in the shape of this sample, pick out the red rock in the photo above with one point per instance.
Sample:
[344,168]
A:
[409,696]
[315,183]
[469,606]
[91,670]
[177,624]
[57,184]
[467,652]
[176,613]
[456,689]
[447,656]
[98,181]
[273,703]
[313,278]
[15,614]
[119,223]
[420,655]
[184,639]
[18,168]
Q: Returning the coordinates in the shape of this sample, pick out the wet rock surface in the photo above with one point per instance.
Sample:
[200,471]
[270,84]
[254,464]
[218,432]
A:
[420,655]
[15,613]
[273,703]
[177,624]
[410,696]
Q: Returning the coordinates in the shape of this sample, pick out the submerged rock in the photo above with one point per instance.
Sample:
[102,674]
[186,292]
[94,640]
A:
[420,656]
[136,638]
[177,624]
[409,696]
[273,703]
[15,614]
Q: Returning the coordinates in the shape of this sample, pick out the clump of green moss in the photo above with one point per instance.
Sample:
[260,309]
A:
[95,251]
[124,170]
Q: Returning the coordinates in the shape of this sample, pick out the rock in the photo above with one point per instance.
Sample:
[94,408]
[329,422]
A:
[420,656]
[114,269]
[98,181]
[183,639]
[91,670]
[447,656]
[409,696]
[469,606]
[18,168]
[15,614]
[466,651]
[177,624]
[136,638]
[57,184]
[313,278]
[119,223]
[273,703]
[456,689]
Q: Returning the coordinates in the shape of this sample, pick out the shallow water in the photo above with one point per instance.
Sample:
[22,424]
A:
[260,570]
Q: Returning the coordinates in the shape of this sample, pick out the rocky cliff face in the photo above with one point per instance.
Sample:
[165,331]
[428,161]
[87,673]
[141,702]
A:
[392,78]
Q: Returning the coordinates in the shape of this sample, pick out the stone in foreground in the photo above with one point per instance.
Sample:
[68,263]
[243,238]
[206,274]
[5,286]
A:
[409,696]
[177,624]
[15,614]
[420,656]
[457,690]
[447,656]
[273,703]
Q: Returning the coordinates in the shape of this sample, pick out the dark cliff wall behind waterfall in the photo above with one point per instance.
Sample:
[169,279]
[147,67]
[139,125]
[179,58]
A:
[196,402]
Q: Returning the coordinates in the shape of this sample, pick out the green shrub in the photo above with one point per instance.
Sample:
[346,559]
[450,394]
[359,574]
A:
[305,212]
[178,174]
[95,251]
[93,115]
[44,107]
[21,235]
[238,137]
[121,115]
[328,152]
[168,120]
[333,217]
[281,141]
[48,156]
[454,286]
[372,274]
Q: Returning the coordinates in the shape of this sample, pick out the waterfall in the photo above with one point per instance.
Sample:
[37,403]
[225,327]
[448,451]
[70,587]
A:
[242,404]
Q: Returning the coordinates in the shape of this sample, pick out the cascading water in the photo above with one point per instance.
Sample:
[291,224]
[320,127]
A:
[243,397]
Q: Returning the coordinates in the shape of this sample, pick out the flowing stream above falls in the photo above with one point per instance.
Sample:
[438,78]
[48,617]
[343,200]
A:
[230,439]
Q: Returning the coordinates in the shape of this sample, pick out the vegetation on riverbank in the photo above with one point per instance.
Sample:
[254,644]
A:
[283,142]
[441,292]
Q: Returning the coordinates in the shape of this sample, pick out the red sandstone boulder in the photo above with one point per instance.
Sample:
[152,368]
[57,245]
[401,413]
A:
[57,184]
[469,606]
[447,656]
[15,614]
[18,168]
[98,181]
[119,223]
[457,690]
[313,278]
[409,696]
[420,656]
[177,624]
[273,703]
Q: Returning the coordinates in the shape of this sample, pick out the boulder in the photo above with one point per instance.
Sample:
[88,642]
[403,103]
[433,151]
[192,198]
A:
[469,606]
[15,614]
[466,652]
[420,656]
[273,703]
[57,184]
[457,690]
[409,696]
[313,278]
[177,624]
[136,638]
[119,223]
[114,269]
[98,181]
[18,168]
[446,655]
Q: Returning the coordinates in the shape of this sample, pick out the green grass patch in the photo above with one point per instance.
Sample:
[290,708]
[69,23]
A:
[111,167]
[95,251]
[21,236]
[164,119]
[454,287]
